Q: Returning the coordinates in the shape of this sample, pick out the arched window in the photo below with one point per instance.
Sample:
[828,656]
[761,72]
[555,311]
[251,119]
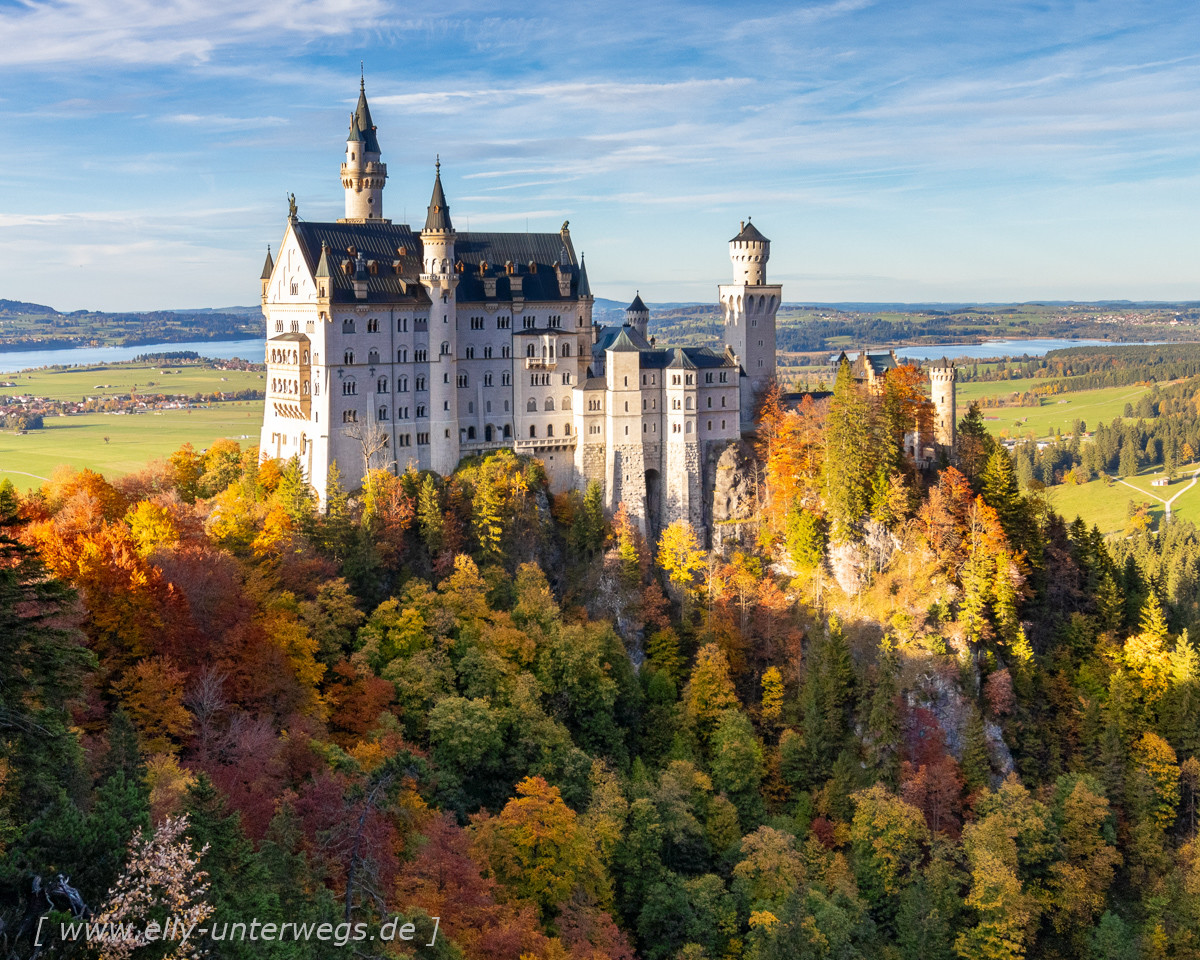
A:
[531,406]
[566,402]
[373,356]
[532,430]
[381,385]
[348,356]
[383,413]
[529,350]
[421,410]
[470,433]
[549,403]
[488,433]
[445,347]
[507,431]
[566,350]
[549,429]
[566,430]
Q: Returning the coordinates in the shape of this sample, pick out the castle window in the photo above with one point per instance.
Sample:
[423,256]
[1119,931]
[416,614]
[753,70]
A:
[531,406]
[709,424]
[488,405]
[529,350]
[689,427]
[506,406]
[279,326]
[470,353]
[295,288]
[688,403]
[477,323]
[402,356]
[643,379]
[645,427]
[348,356]
[566,350]
[626,406]
[626,381]
[349,416]
[347,325]
[532,430]
[760,363]
[421,410]
[710,403]
[549,429]
[675,404]
[373,325]
[487,379]
[462,380]
[566,378]
[722,401]
[689,379]
[723,377]
[708,378]
[507,431]
[487,353]
[402,385]
[445,348]
[722,424]
[422,439]
[383,413]
[675,380]
[470,433]
[381,385]
[445,378]
[549,403]
[566,403]
[402,324]
[505,351]
[349,388]
[421,356]
[626,431]
[503,323]
[420,383]
[505,379]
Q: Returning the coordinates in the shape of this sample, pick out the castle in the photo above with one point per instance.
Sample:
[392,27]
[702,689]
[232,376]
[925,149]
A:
[388,347]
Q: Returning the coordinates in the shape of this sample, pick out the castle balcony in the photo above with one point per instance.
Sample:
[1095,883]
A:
[540,363]
[544,443]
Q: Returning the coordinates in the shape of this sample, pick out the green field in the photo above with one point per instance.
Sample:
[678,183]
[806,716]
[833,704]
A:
[76,383]
[1059,412]
[1106,505]
[134,440]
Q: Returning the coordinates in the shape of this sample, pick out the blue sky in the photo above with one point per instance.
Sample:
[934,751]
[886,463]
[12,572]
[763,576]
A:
[906,151]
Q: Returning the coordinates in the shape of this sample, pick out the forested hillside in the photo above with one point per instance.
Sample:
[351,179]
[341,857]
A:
[911,716]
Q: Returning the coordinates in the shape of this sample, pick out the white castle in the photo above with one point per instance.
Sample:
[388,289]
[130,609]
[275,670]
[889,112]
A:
[388,348]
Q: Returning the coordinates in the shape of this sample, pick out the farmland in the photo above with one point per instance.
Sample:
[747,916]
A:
[133,440]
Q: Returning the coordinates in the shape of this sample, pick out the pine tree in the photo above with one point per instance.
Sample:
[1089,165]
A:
[1002,494]
[429,515]
[976,763]
[848,454]
[883,722]
[973,444]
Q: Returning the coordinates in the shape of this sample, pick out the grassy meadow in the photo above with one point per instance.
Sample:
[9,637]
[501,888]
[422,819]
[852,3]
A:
[75,383]
[133,439]
[1057,412]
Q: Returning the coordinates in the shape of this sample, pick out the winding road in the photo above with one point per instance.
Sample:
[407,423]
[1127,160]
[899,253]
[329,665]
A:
[1166,503]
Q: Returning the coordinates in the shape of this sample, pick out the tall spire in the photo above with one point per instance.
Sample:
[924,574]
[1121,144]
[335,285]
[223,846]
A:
[362,119]
[585,288]
[438,217]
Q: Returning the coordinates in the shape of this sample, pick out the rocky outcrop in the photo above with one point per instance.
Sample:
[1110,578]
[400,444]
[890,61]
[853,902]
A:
[733,470]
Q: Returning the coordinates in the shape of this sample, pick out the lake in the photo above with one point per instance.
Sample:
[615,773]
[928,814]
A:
[13,360]
[1001,348]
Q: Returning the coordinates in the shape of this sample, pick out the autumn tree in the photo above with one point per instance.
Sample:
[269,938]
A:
[848,455]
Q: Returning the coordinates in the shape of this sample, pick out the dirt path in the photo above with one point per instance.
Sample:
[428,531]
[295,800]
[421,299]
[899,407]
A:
[1166,503]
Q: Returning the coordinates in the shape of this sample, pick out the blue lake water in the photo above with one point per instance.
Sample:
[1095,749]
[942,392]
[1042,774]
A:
[13,360]
[1001,348]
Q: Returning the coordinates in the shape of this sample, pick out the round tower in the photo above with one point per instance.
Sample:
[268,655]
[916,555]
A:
[440,279]
[363,174]
[637,315]
[941,386]
[749,251]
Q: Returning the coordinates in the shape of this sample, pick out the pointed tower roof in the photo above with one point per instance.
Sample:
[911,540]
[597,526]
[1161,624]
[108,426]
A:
[353,136]
[637,304]
[585,288]
[751,233]
[269,266]
[323,271]
[623,344]
[362,121]
[438,217]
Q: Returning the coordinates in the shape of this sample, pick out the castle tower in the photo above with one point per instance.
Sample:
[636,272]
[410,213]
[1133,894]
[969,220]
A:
[439,277]
[624,462]
[941,383]
[363,175]
[749,305]
[637,315]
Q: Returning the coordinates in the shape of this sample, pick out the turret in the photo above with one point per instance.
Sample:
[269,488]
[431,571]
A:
[267,270]
[749,251]
[439,277]
[363,174]
[637,315]
[941,385]
[749,305]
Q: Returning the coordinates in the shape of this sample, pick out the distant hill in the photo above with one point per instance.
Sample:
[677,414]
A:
[254,311]
[19,308]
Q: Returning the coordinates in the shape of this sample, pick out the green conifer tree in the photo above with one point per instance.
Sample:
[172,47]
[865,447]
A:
[848,455]
[429,515]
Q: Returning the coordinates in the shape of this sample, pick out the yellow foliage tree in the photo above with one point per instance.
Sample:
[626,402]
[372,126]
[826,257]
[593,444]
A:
[680,556]
[152,526]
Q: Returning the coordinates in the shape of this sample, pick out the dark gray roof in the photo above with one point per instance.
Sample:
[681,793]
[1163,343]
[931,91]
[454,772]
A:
[704,358]
[438,217]
[584,289]
[750,232]
[519,249]
[622,343]
[637,305]
[879,363]
[608,336]
[380,242]
[268,267]
[594,383]
[362,118]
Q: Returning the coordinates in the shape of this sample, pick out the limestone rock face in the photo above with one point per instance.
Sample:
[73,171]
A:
[733,490]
